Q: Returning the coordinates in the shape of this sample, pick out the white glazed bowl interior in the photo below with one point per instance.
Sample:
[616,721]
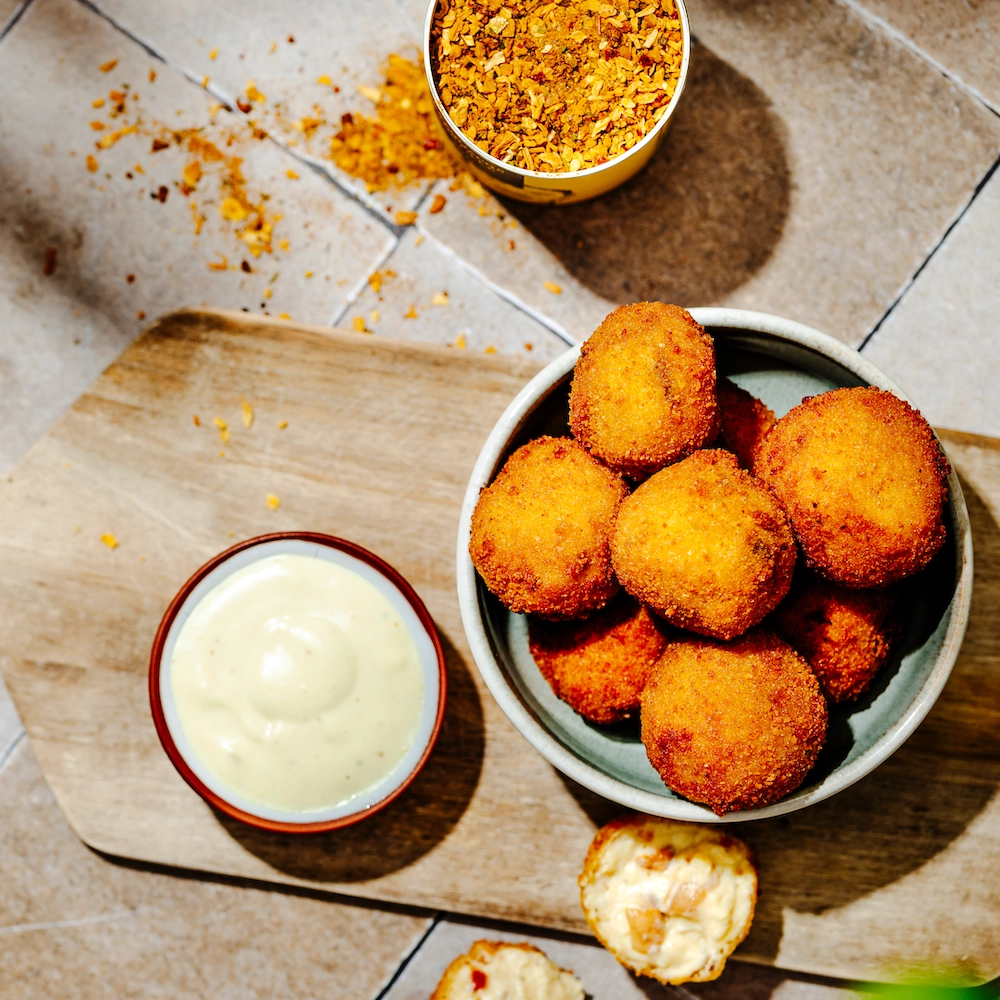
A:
[779,361]
[426,653]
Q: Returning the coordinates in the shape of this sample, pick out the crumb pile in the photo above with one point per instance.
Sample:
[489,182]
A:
[398,145]
[556,86]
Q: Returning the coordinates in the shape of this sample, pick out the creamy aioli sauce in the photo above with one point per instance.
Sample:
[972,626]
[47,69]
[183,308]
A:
[297,683]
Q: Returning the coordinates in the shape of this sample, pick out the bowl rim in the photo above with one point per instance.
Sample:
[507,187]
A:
[619,791]
[155,668]
[467,146]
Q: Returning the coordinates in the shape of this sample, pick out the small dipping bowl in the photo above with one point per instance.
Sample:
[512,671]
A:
[562,187]
[404,602]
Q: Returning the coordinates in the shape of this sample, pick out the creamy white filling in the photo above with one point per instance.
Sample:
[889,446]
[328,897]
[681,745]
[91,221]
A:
[678,910]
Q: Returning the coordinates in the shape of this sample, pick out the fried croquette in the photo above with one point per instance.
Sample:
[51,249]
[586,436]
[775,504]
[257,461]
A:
[845,635]
[864,481]
[598,666]
[743,422]
[499,970]
[643,392]
[733,725]
[705,545]
[541,531]
[669,900]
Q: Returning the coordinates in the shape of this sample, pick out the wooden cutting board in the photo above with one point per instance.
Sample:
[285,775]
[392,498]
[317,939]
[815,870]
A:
[381,437]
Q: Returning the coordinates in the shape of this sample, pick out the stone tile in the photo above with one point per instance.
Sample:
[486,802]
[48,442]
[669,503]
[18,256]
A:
[882,153]
[61,329]
[791,990]
[742,981]
[488,236]
[941,342]
[472,316]
[284,49]
[10,724]
[77,927]
[962,37]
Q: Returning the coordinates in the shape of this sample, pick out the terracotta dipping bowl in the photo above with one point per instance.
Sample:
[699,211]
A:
[781,362]
[408,606]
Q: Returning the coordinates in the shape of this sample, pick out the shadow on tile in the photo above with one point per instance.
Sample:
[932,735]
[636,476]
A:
[743,981]
[701,219]
[406,830]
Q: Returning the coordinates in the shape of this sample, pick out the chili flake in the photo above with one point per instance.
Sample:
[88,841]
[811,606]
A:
[556,86]
[399,145]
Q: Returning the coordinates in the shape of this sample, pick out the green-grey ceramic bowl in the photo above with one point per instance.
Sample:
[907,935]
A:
[781,362]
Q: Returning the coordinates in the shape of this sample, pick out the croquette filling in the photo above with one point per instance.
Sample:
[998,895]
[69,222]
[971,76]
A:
[518,972]
[676,914]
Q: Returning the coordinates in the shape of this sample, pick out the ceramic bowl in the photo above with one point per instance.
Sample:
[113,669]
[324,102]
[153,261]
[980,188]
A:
[407,605]
[781,362]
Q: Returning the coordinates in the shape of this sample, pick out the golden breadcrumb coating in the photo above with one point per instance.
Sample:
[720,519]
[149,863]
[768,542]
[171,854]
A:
[705,545]
[500,970]
[541,531]
[598,666]
[845,635]
[643,392]
[864,481]
[669,900]
[743,422]
[733,725]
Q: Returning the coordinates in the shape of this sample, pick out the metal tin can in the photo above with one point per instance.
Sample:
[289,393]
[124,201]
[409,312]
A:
[566,186]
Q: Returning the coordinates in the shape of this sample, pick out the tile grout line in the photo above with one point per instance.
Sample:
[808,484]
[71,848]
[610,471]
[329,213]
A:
[384,992]
[14,18]
[12,746]
[909,283]
[49,925]
[355,293]
[509,297]
[898,36]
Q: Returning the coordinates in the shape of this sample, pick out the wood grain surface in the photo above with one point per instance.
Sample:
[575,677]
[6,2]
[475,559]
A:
[381,436]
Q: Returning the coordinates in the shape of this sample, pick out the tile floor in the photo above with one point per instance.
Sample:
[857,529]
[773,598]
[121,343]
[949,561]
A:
[832,162]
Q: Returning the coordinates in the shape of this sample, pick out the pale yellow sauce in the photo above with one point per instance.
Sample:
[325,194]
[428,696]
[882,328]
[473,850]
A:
[297,683]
